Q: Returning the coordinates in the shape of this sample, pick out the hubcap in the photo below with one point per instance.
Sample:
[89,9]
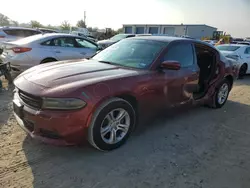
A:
[223,93]
[115,126]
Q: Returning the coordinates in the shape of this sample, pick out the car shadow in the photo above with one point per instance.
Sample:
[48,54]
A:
[244,81]
[6,95]
[184,139]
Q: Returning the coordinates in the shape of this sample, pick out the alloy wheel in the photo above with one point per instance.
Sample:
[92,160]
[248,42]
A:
[115,126]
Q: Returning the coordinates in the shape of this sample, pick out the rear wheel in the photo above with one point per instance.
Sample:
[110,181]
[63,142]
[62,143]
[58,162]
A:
[111,124]
[222,93]
[242,71]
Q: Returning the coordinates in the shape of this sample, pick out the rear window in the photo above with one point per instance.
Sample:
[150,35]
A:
[20,32]
[228,48]
[12,32]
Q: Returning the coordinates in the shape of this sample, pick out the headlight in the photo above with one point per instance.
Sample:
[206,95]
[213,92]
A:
[63,103]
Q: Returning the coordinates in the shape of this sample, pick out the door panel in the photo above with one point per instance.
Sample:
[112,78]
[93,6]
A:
[180,85]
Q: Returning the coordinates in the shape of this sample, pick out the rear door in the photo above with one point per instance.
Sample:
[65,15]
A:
[181,84]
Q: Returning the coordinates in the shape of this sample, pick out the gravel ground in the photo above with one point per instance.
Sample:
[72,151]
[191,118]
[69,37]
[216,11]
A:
[201,147]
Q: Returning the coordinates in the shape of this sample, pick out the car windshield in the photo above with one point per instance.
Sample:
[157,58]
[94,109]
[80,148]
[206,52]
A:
[118,37]
[228,48]
[136,53]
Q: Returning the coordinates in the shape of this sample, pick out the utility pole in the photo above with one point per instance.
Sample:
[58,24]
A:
[85,18]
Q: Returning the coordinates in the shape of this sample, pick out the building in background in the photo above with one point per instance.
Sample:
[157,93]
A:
[194,31]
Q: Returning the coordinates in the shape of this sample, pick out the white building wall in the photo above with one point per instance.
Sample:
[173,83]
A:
[195,31]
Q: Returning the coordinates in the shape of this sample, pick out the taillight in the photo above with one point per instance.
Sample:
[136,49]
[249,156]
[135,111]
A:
[20,49]
[2,37]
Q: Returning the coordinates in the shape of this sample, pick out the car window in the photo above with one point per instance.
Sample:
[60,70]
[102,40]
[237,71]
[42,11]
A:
[82,43]
[64,42]
[247,51]
[14,32]
[183,53]
[27,33]
[48,43]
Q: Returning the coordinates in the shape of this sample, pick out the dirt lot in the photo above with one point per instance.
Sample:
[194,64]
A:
[199,148]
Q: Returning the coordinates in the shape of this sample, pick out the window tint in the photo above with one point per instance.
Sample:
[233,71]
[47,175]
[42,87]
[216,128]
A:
[183,53]
[48,43]
[247,51]
[27,33]
[64,42]
[81,43]
[13,32]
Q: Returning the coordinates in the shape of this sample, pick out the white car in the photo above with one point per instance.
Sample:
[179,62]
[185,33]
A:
[30,51]
[238,52]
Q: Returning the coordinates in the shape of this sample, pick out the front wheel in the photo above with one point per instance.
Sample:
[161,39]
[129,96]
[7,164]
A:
[222,93]
[111,124]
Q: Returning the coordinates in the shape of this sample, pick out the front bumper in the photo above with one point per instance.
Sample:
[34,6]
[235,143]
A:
[53,127]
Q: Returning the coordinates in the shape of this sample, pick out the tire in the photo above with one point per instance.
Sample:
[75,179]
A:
[242,71]
[100,118]
[218,102]
[48,60]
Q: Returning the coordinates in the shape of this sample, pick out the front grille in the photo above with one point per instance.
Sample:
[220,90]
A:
[30,100]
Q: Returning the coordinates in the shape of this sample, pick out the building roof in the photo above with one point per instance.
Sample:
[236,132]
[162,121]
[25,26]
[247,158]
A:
[193,25]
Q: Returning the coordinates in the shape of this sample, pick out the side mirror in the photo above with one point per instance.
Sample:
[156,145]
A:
[171,65]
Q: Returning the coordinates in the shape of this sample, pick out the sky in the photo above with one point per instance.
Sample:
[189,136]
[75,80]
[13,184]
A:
[231,16]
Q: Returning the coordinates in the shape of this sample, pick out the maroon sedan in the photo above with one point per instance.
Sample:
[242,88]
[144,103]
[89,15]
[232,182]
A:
[102,99]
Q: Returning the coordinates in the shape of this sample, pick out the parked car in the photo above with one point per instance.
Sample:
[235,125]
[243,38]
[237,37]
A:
[30,51]
[103,98]
[238,39]
[114,39]
[212,42]
[244,43]
[240,53]
[13,33]
[247,39]
[83,34]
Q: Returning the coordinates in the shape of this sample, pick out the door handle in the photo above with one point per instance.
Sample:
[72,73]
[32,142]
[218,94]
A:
[58,52]
[83,53]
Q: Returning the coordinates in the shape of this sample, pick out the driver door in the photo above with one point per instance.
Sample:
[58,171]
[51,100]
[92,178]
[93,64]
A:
[180,84]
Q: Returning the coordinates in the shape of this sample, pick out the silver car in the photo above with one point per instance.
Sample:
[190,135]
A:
[43,48]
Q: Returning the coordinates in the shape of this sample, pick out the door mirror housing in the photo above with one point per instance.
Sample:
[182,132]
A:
[171,65]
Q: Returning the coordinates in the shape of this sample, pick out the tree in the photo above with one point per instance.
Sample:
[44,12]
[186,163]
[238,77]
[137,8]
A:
[15,23]
[65,25]
[4,20]
[81,24]
[34,23]
[120,30]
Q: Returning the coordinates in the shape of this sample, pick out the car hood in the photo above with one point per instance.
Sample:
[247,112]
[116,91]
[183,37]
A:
[72,74]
